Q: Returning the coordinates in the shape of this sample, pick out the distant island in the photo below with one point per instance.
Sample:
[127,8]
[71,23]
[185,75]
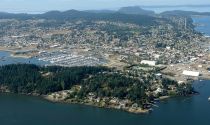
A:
[123,10]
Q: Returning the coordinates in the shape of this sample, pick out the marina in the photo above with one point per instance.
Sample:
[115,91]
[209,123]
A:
[69,60]
[52,58]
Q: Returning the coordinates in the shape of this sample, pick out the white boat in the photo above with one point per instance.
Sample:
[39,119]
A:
[209,98]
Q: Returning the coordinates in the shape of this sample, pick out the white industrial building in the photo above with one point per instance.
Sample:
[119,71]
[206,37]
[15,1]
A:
[190,73]
[151,63]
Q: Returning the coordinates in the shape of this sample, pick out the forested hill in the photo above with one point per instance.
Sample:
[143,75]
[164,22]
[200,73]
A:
[27,78]
[135,10]
[82,15]
[81,82]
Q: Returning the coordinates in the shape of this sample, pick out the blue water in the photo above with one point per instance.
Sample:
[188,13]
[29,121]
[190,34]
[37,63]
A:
[162,9]
[205,28]
[25,110]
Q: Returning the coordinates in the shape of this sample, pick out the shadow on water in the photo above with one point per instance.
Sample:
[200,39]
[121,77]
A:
[6,59]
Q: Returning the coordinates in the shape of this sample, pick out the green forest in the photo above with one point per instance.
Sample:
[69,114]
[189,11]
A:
[27,78]
[102,81]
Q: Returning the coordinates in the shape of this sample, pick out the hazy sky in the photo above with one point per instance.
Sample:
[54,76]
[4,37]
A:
[45,5]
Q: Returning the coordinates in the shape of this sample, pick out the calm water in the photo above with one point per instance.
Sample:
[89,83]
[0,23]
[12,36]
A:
[162,9]
[206,24]
[24,110]
[205,27]
[5,59]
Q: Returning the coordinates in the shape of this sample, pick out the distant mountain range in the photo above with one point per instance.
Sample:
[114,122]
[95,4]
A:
[85,15]
[132,14]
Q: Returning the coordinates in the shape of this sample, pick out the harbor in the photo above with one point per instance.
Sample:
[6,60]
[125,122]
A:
[69,59]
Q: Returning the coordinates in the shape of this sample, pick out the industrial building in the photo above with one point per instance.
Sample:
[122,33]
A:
[191,73]
[151,63]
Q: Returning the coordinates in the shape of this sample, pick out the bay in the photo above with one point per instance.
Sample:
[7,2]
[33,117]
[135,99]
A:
[184,8]
[6,58]
[205,24]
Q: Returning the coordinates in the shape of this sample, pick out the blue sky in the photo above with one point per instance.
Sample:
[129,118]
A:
[46,5]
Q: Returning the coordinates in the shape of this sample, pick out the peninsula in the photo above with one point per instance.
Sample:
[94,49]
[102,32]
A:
[96,86]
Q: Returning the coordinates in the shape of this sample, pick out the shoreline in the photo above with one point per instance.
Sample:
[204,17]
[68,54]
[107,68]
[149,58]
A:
[44,97]
[112,102]
[70,101]
[137,110]
[127,109]
[97,105]
[134,111]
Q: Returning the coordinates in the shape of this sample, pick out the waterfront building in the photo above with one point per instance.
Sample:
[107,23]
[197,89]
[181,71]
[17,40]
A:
[191,73]
[151,63]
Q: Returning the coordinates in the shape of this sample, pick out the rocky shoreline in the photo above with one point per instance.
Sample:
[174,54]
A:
[62,97]
[129,109]
[136,110]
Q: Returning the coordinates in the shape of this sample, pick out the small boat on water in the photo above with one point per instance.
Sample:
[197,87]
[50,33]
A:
[209,98]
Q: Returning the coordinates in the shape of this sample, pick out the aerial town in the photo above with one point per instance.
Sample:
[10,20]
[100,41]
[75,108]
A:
[175,45]
[169,48]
